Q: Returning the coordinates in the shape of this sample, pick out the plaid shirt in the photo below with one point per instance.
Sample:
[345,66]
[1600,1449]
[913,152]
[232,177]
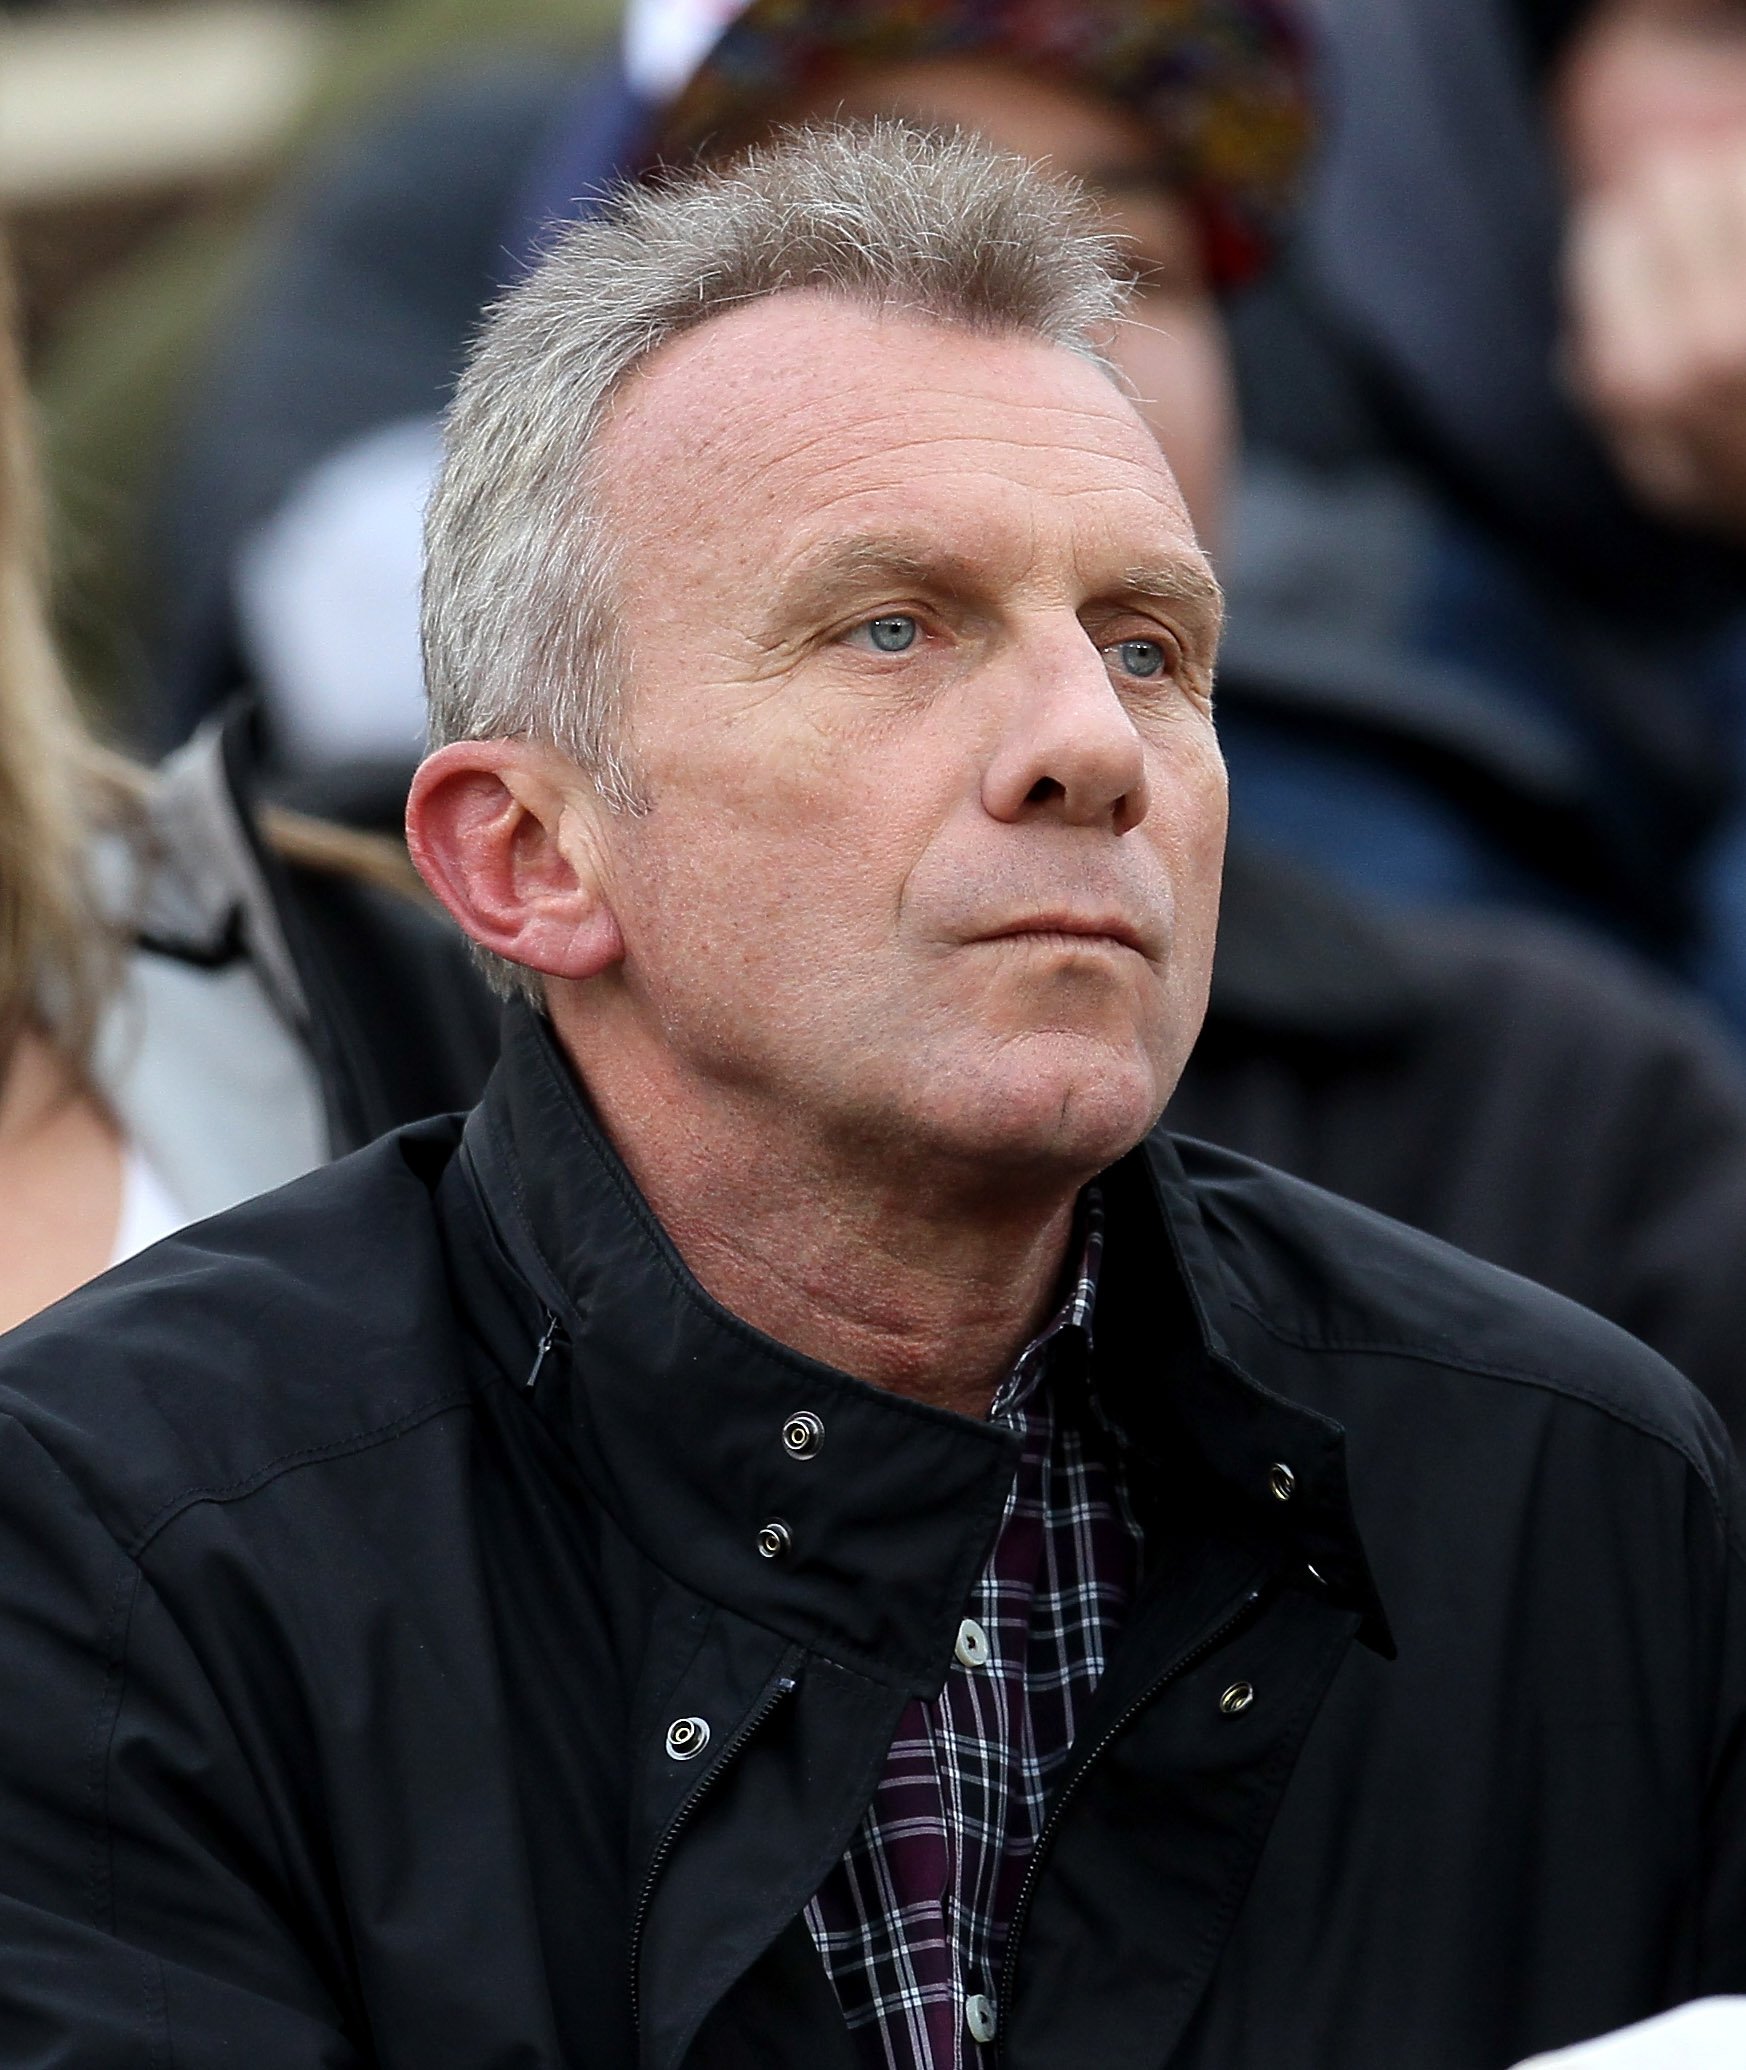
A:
[912,1922]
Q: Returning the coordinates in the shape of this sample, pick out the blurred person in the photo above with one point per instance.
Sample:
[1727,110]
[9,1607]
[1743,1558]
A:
[1496,402]
[1648,101]
[805,1531]
[1502,1085]
[195,1004]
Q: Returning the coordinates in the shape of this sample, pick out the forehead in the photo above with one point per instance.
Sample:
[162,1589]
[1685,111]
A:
[804,413]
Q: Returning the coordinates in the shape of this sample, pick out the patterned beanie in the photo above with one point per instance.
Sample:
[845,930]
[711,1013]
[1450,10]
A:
[1222,85]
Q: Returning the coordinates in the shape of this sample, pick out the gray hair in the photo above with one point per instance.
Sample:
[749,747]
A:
[518,620]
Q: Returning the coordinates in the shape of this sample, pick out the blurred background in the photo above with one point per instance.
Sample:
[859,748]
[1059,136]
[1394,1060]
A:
[142,143]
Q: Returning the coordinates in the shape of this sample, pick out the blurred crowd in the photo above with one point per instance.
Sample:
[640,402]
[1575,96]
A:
[1439,314]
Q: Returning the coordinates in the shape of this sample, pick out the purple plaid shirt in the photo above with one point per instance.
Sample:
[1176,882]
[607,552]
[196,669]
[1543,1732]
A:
[912,1922]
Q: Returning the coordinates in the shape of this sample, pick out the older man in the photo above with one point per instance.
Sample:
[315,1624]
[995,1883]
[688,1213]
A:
[803,1534]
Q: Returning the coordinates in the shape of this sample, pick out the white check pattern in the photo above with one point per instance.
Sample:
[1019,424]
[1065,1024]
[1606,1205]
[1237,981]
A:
[912,1923]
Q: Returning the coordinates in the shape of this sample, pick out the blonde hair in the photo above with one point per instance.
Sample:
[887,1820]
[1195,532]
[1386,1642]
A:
[57,954]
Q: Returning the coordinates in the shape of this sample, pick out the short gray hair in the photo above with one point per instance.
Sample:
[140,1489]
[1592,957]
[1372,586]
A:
[518,628]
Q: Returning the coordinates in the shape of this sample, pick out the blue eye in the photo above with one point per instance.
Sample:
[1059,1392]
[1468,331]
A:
[892,635]
[1143,657]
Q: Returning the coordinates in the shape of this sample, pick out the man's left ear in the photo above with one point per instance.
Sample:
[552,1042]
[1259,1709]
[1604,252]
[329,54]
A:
[504,833]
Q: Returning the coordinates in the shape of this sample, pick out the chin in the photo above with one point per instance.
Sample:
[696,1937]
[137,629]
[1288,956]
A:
[1070,1112]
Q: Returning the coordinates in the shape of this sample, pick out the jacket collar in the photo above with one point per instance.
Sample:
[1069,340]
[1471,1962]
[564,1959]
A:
[696,1432]
[1218,1428]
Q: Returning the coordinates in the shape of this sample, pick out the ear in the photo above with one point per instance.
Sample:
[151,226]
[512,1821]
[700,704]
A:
[505,834]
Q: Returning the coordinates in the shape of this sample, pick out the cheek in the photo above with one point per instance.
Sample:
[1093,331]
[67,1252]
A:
[1187,818]
[767,863]
[1625,97]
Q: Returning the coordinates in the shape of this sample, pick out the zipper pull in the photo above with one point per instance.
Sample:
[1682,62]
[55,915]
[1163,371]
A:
[545,1345]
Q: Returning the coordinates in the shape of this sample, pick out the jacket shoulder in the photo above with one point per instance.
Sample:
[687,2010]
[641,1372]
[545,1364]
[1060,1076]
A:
[304,1324]
[1326,1278]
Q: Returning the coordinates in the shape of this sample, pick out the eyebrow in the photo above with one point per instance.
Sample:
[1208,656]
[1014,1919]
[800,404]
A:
[864,567]
[1178,582]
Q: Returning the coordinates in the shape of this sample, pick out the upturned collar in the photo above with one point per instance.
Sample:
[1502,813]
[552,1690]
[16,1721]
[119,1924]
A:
[698,1433]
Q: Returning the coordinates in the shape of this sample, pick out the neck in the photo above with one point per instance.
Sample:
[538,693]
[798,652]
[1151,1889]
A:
[902,1275]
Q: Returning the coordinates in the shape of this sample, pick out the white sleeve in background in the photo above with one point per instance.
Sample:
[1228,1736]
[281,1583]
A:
[148,1214]
[326,595]
[1709,2034]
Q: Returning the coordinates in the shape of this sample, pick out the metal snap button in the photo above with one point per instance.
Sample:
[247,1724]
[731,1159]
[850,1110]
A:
[1238,1697]
[687,1738]
[775,1539]
[802,1435]
[972,1647]
[1282,1481]
[979,2016]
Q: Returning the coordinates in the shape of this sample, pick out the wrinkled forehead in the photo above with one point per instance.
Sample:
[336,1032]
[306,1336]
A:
[803,401]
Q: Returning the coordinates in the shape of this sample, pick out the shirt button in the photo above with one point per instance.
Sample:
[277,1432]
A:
[972,1648]
[979,2016]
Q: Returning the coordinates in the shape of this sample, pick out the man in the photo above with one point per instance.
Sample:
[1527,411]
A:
[1503,1085]
[802,1534]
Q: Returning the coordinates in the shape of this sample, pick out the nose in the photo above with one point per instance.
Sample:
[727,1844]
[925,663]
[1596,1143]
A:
[1068,749]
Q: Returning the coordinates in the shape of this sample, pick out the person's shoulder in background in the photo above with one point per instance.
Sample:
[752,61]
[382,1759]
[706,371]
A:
[285,993]
[394,989]
[1498,1081]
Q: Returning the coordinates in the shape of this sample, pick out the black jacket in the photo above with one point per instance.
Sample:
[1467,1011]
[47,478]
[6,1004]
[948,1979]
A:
[358,1548]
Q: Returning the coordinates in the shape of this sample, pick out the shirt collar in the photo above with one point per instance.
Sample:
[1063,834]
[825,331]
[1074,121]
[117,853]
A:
[1072,1319]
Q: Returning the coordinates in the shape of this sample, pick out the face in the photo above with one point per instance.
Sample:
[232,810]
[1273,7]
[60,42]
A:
[1173,348]
[920,645]
[1642,76]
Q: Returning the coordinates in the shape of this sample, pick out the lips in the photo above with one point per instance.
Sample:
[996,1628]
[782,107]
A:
[1094,927]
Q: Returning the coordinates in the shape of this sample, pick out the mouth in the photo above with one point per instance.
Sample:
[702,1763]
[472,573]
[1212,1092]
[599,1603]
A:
[1077,929]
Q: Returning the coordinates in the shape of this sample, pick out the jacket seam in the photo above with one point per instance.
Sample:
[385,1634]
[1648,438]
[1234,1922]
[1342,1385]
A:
[1487,1369]
[289,1462]
[99,1740]
[160,2044]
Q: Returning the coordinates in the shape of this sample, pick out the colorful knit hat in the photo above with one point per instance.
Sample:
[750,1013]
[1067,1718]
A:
[1222,84]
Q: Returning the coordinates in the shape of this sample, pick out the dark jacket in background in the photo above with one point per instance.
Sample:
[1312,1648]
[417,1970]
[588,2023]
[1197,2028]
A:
[1529,1096]
[358,1549]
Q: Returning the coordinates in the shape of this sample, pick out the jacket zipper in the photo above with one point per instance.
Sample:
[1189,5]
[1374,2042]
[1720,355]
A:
[1198,1652]
[779,1690]
[545,1344]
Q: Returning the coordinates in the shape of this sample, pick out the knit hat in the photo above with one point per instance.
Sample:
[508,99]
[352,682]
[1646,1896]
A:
[1221,84]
